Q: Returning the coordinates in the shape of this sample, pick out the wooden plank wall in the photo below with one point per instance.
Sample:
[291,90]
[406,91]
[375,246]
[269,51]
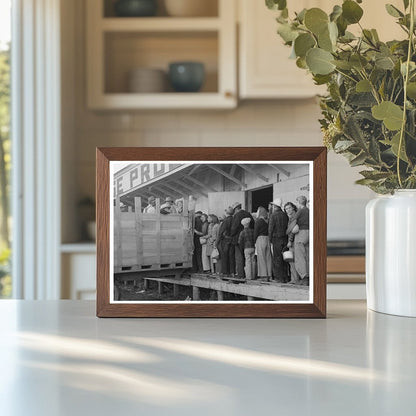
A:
[152,241]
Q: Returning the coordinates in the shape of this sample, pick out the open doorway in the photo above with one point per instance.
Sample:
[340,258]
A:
[260,197]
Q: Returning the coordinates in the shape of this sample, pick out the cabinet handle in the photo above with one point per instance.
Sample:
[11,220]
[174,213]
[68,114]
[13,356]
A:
[229,94]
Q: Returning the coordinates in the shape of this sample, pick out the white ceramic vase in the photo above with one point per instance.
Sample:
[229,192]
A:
[391,253]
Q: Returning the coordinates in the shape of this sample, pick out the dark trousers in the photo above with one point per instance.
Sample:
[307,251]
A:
[239,262]
[279,266]
[197,257]
[231,258]
[224,249]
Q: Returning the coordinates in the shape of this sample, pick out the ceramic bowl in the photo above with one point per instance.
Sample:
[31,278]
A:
[135,8]
[186,76]
[147,80]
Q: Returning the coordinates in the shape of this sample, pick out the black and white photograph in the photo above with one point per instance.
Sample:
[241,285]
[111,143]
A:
[211,232]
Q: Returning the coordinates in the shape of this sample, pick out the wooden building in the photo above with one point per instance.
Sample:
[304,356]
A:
[214,186]
[156,247]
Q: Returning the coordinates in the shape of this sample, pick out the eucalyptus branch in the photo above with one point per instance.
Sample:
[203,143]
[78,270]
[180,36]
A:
[406,79]
[392,91]
[373,88]
[346,75]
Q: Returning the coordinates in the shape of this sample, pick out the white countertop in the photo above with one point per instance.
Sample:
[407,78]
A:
[57,358]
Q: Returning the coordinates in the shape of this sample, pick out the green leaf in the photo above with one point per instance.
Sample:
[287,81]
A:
[316,20]
[365,182]
[321,79]
[347,37]
[394,145]
[336,12]
[325,42]
[342,25]
[358,61]
[411,90]
[375,35]
[358,160]
[382,88]
[303,43]
[345,65]
[374,175]
[287,33]
[384,62]
[374,150]
[351,11]
[412,67]
[388,112]
[368,36]
[406,4]
[276,4]
[301,15]
[333,32]
[362,99]
[301,63]
[343,145]
[363,86]
[393,11]
[353,131]
[319,61]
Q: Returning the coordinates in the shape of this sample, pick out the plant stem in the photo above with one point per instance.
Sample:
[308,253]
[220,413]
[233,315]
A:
[346,75]
[406,79]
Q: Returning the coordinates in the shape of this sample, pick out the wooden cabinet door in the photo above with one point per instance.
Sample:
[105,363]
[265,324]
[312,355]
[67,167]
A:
[265,69]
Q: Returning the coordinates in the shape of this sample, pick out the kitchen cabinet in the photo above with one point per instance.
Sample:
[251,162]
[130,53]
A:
[78,263]
[265,70]
[118,45]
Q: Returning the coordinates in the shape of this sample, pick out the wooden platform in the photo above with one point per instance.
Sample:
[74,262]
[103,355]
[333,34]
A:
[253,289]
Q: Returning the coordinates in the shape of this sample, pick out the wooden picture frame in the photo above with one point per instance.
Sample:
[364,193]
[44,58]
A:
[246,159]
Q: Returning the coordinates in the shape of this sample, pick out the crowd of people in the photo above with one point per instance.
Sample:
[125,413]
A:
[253,246]
[250,246]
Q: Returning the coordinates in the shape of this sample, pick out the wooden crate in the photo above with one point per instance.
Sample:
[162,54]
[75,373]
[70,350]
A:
[144,242]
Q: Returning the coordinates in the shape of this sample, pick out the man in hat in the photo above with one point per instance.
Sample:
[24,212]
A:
[224,242]
[168,207]
[197,256]
[236,228]
[301,243]
[151,207]
[246,244]
[277,234]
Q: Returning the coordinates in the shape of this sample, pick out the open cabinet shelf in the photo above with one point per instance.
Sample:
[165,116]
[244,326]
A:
[160,24]
[116,46]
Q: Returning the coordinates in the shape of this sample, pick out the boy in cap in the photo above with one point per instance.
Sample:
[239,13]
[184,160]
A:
[246,245]
[236,229]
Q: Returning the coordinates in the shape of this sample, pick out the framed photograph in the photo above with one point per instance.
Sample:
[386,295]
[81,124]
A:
[211,232]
